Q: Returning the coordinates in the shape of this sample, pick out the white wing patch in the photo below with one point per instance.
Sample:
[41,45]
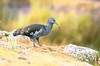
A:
[31,33]
[38,33]
[28,30]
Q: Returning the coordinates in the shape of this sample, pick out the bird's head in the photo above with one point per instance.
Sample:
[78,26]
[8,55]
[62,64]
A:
[52,21]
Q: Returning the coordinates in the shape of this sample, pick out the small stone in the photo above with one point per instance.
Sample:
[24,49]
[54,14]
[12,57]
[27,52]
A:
[29,62]
[21,58]
[3,60]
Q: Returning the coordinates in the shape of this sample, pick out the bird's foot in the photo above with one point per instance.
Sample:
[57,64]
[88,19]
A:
[36,45]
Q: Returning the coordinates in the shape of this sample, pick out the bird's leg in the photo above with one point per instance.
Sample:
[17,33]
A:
[33,39]
[38,41]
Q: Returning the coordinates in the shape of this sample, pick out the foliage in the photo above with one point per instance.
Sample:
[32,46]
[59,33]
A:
[76,26]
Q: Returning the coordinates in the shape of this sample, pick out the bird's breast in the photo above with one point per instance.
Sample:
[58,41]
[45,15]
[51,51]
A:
[46,32]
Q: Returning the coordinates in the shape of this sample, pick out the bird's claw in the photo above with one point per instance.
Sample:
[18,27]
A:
[36,45]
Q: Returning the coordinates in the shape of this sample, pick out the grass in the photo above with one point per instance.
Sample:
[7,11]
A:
[76,26]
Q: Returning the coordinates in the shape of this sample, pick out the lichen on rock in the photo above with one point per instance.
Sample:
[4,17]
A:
[82,53]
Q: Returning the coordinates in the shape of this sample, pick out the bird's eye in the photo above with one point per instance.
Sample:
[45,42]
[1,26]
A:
[54,20]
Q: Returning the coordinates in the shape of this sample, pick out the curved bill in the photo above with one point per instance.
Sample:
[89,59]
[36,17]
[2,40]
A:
[57,24]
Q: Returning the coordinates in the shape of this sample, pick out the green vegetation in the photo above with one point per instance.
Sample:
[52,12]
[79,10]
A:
[77,26]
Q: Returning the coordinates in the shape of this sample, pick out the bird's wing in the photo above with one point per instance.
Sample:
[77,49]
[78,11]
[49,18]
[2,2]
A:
[29,29]
[32,28]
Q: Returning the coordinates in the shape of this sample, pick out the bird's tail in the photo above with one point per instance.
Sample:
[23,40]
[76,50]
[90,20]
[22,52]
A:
[17,32]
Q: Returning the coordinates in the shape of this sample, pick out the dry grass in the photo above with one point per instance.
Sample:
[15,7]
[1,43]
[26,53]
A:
[37,56]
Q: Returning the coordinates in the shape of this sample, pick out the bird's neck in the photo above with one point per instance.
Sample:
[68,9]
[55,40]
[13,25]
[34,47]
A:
[49,27]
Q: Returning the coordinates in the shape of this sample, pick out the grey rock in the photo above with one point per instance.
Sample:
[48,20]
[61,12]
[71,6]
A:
[82,53]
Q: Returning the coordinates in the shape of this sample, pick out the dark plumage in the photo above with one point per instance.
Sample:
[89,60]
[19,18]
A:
[35,31]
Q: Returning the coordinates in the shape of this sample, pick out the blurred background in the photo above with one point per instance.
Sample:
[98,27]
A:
[79,20]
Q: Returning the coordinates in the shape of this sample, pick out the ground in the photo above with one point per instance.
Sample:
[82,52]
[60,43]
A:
[18,51]
[40,56]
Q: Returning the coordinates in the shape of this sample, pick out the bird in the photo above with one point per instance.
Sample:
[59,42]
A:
[35,31]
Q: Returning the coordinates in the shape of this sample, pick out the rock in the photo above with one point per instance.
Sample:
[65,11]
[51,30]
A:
[11,33]
[87,64]
[3,33]
[3,44]
[18,37]
[82,53]
[99,61]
